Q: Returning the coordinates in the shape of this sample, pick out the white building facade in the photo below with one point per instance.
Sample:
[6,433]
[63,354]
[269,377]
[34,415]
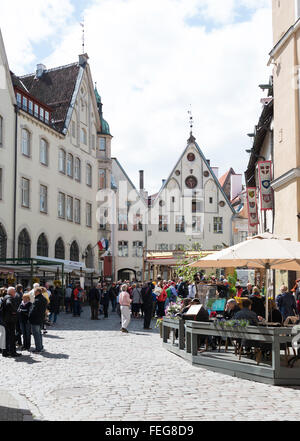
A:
[63,149]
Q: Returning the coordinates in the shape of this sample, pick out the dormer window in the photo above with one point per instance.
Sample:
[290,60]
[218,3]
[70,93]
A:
[46,117]
[24,105]
[36,110]
[41,114]
[30,107]
[19,99]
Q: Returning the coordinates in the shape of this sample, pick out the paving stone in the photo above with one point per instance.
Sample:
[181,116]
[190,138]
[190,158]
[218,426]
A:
[114,377]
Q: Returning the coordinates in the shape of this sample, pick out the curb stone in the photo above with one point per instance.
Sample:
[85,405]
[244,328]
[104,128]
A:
[19,413]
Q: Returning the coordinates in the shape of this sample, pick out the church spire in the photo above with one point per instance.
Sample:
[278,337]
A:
[191,124]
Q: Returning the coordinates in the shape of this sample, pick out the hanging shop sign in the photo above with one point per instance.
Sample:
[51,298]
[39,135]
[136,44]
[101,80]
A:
[252,207]
[265,189]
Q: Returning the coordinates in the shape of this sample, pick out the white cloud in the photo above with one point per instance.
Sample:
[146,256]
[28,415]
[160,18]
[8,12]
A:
[150,65]
[25,24]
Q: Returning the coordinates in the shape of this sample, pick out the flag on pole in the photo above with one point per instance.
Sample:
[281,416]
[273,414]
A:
[103,244]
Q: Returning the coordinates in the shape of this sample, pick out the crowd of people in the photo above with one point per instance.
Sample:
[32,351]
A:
[25,314]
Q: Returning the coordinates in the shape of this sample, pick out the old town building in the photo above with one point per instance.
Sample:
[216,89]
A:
[285,58]
[58,144]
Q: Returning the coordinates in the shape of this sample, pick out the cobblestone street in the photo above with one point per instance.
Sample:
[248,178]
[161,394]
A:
[92,371]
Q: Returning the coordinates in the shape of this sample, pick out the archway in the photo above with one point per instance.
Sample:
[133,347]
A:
[127,274]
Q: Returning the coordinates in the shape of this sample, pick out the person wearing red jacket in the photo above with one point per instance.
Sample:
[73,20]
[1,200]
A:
[161,300]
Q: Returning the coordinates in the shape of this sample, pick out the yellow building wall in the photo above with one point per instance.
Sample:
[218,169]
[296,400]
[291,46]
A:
[286,209]
[285,152]
[283,17]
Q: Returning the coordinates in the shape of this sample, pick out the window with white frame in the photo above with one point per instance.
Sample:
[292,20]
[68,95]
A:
[24,103]
[25,192]
[30,107]
[101,179]
[179,225]
[102,144]
[19,100]
[137,222]
[218,225]
[197,206]
[123,248]
[69,208]
[162,247]
[36,110]
[1,131]
[70,165]
[88,214]
[41,114]
[196,224]
[243,236]
[25,142]
[47,117]
[123,221]
[62,161]
[83,136]
[77,169]
[43,199]
[61,205]
[89,175]
[102,219]
[77,213]
[163,223]
[43,152]
[137,249]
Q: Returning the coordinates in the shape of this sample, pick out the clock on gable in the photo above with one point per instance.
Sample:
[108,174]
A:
[191,182]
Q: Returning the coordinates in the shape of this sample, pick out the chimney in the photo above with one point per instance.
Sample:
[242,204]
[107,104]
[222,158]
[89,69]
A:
[40,69]
[83,58]
[236,186]
[141,179]
[216,171]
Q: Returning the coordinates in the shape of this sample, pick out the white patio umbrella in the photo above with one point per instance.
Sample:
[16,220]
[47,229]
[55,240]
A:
[265,251]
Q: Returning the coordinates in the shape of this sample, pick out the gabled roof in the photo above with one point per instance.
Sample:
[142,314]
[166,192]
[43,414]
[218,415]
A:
[7,71]
[224,178]
[55,88]
[192,140]
[129,180]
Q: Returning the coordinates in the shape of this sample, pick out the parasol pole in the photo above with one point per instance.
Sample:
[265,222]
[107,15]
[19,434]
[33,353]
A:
[267,267]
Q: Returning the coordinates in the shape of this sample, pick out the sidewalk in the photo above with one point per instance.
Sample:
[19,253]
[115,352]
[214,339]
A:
[13,407]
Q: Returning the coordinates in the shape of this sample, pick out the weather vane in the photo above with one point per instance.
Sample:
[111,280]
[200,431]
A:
[82,25]
[191,119]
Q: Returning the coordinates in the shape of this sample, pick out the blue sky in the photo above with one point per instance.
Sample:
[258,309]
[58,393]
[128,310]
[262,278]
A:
[151,60]
[242,14]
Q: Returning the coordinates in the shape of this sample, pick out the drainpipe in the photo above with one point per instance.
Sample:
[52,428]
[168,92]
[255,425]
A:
[15,182]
